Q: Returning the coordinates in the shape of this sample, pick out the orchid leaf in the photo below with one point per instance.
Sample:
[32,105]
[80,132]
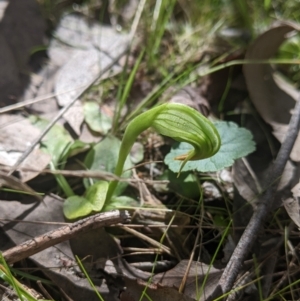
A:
[76,206]
[237,142]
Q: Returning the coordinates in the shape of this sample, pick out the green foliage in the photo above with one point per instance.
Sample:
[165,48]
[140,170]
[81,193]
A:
[104,156]
[77,206]
[6,275]
[119,202]
[124,93]
[60,145]
[174,120]
[96,120]
[185,184]
[73,149]
[162,13]
[57,140]
[290,49]
[88,278]
[236,143]
[198,150]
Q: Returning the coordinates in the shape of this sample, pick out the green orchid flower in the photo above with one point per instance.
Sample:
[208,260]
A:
[178,121]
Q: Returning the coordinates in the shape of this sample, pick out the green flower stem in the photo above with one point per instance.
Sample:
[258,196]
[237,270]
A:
[62,182]
[174,120]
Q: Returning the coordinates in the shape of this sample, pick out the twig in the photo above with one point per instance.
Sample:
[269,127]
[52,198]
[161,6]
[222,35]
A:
[187,270]
[62,112]
[28,102]
[264,205]
[43,290]
[97,174]
[148,240]
[51,238]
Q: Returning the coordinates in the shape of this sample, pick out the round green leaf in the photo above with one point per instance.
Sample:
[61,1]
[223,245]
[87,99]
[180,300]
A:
[236,142]
[96,195]
[96,120]
[76,206]
[121,202]
[57,140]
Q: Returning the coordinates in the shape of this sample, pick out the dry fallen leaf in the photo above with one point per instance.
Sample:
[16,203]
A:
[196,276]
[75,117]
[273,98]
[164,286]
[191,97]
[94,47]
[296,190]
[16,135]
[250,174]
[250,183]
[292,207]
[134,291]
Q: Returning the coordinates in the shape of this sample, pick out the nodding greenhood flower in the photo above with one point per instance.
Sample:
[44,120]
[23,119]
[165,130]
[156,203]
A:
[174,120]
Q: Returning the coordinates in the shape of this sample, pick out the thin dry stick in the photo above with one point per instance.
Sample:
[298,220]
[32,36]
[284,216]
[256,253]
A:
[265,202]
[43,290]
[28,102]
[51,238]
[186,273]
[148,239]
[253,175]
[96,174]
[62,112]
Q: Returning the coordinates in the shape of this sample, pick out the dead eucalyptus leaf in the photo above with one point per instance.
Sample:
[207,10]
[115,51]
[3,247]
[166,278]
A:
[134,291]
[75,117]
[249,183]
[195,279]
[93,47]
[292,205]
[191,97]
[250,175]
[296,191]
[292,208]
[16,135]
[273,98]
